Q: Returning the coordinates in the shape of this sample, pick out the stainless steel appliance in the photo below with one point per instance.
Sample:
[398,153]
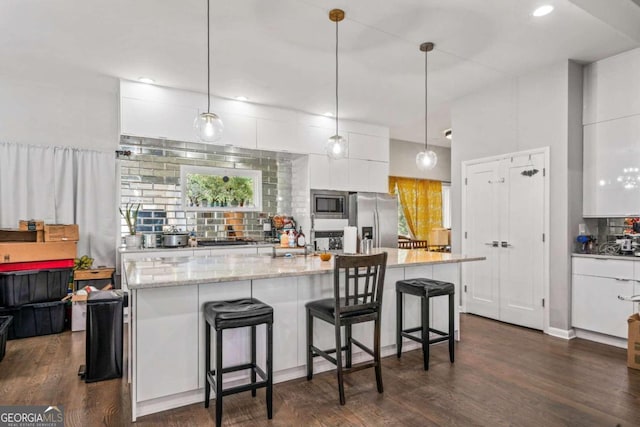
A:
[328,240]
[376,216]
[326,204]
[175,240]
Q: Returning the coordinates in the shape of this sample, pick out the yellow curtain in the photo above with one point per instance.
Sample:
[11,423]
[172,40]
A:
[421,202]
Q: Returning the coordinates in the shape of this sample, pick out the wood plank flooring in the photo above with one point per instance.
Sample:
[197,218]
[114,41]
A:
[503,376]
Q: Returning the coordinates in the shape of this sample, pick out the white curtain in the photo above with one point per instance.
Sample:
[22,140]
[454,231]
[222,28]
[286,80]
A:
[62,186]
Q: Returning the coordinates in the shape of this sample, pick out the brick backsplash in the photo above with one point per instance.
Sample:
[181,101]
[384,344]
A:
[151,176]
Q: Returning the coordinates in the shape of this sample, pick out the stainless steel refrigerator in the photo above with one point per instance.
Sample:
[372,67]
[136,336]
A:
[376,217]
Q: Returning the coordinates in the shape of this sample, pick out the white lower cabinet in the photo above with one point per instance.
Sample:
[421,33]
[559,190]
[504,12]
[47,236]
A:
[277,293]
[596,285]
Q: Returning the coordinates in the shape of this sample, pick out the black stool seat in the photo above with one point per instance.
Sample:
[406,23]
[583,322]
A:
[425,287]
[327,307]
[237,313]
[246,312]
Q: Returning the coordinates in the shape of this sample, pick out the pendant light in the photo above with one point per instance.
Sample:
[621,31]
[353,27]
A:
[208,125]
[336,145]
[427,159]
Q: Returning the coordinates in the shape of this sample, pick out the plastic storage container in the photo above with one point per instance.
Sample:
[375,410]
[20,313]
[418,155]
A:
[32,320]
[25,287]
[5,321]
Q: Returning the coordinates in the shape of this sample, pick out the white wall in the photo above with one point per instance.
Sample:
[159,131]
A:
[60,112]
[402,161]
[542,108]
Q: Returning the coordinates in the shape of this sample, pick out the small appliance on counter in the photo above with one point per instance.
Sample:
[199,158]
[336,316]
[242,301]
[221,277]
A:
[174,238]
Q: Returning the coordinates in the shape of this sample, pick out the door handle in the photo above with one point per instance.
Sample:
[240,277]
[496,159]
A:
[506,245]
[492,244]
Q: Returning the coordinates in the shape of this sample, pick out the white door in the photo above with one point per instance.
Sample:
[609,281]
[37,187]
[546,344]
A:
[482,238]
[504,221]
[521,240]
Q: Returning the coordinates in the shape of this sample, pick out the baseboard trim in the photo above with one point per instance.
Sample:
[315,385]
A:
[567,334]
[601,338]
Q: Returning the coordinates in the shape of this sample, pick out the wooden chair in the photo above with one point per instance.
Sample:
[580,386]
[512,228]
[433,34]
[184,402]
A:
[360,301]
[419,244]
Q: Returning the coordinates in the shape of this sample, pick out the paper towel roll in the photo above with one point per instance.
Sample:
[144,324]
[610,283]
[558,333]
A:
[350,241]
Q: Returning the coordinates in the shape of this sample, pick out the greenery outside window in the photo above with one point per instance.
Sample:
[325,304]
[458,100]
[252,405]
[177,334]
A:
[220,189]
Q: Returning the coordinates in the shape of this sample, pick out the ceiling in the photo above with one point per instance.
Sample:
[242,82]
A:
[281,52]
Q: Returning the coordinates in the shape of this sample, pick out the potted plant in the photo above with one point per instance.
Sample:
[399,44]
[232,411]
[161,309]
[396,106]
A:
[130,215]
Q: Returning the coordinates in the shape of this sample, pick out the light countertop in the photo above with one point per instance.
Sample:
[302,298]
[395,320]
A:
[172,271]
[157,251]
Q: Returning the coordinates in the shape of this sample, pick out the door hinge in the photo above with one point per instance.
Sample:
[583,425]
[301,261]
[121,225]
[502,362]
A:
[544,171]
[465,289]
[543,237]
[465,234]
[542,302]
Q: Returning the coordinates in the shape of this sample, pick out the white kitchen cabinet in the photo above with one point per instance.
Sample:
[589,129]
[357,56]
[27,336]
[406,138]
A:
[388,326]
[166,327]
[596,307]
[358,179]
[611,168]
[234,250]
[328,174]
[313,288]
[157,120]
[313,139]
[603,267]
[612,88]
[277,293]
[368,147]
[378,177]
[276,135]
[239,131]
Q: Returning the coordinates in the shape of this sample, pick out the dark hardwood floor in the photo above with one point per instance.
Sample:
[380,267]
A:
[503,375]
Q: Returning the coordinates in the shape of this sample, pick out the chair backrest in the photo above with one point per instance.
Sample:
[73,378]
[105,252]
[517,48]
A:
[363,278]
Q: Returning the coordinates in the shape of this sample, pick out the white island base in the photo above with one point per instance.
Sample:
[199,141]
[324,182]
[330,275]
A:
[166,337]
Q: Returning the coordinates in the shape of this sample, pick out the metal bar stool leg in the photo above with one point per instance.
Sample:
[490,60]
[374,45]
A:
[424,302]
[207,363]
[218,377]
[451,326]
[376,355]
[347,339]
[269,370]
[399,323]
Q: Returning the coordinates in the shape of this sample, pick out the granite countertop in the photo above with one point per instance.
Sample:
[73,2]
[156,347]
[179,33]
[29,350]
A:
[172,271]
[160,249]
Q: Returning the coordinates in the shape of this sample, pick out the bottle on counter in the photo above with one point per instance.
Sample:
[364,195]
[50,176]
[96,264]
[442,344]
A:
[284,239]
[292,238]
[301,241]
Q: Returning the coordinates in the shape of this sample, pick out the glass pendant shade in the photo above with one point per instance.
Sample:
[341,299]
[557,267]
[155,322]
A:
[426,160]
[336,147]
[209,127]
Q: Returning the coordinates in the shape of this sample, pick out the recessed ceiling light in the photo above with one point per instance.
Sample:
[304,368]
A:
[328,114]
[447,133]
[241,98]
[146,80]
[543,10]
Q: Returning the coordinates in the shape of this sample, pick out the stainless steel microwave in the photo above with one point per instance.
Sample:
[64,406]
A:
[327,204]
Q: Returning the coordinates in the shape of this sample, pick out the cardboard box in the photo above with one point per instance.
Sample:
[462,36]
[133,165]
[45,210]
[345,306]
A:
[11,252]
[14,235]
[61,233]
[31,225]
[633,342]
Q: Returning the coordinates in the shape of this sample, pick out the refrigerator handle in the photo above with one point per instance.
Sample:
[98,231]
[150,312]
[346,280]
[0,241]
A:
[376,224]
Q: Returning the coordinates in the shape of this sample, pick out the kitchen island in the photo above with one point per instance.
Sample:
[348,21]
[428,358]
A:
[166,339]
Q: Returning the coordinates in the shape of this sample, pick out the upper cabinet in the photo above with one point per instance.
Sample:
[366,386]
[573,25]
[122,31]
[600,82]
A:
[139,117]
[611,156]
[612,88]
[368,147]
[611,180]
[239,131]
[277,135]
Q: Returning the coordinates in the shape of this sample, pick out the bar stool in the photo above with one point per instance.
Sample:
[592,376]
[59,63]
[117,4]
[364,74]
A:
[425,289]
[240,313]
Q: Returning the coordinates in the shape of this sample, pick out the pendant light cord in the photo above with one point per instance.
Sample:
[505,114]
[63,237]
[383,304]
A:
[336,78]
[208,61]
[426,135]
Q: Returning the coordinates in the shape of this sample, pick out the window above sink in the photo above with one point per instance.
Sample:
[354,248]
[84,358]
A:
[220,189]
